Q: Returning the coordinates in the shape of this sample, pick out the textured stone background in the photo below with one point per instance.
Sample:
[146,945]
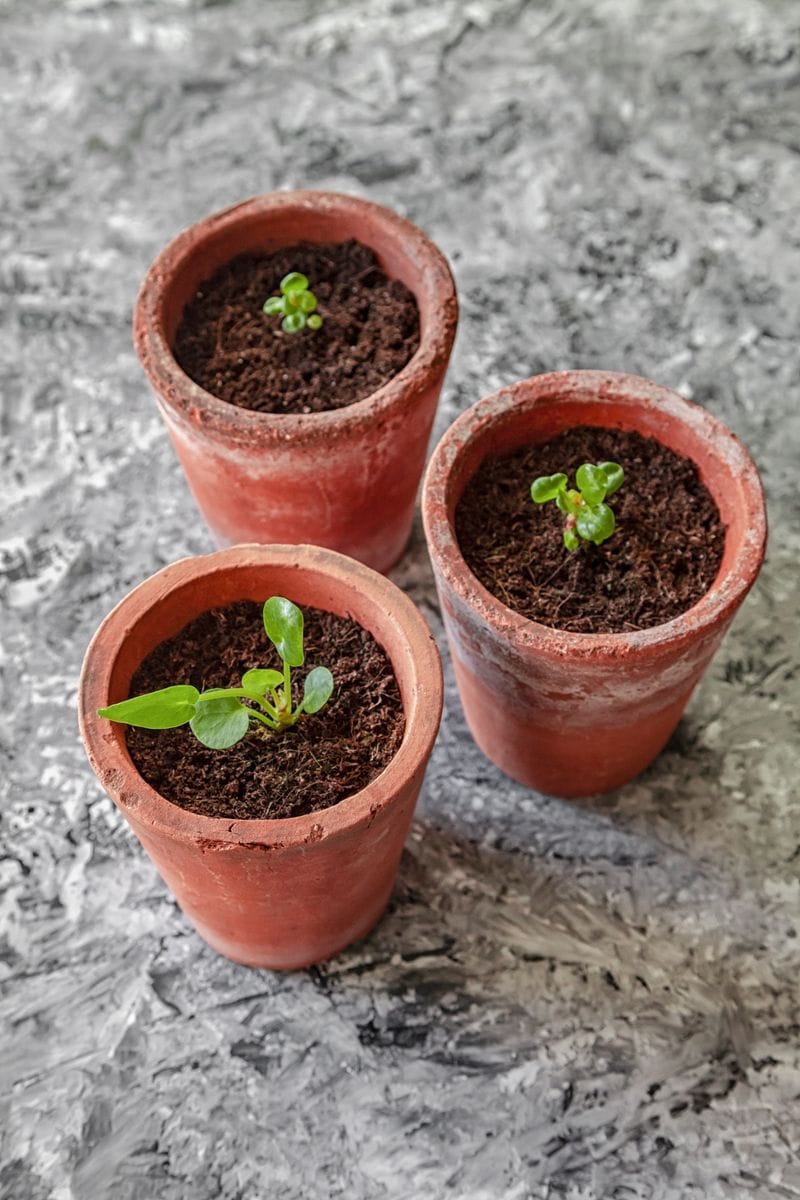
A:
[566,1000]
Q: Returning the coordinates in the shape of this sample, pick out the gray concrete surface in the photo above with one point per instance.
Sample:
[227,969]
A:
[565,1000]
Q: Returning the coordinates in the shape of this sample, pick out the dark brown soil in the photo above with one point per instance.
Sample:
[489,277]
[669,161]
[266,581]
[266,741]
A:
[314,764]
[663,556]
[232,349]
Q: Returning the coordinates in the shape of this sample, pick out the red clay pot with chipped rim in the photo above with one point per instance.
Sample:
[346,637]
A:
[346,479]
[269,893]
[577,714]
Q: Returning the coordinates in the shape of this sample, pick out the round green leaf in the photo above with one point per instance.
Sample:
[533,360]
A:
[293,282]
[293,322]
[260,681]
[317,689]
[273,306]
[221,723]
[314,322]
[283,622]
[571,539]
[595,524]
[547,487]
[569,501]
[165,709]
[592,483]
[614,476]
[306,301]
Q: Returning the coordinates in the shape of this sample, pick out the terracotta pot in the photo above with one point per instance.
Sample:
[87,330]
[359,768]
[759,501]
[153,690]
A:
[575,714]
[271,893]
[345,479]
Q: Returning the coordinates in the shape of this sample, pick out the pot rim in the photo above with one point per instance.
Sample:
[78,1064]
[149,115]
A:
[180,392]
[592,388]
[105,742]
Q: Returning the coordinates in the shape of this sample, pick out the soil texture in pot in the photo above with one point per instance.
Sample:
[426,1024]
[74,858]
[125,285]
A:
[663,556]
[370,330]
[319,761]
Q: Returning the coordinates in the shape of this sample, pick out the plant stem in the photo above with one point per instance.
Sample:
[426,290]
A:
[253,712]
[248,695]
[287,689]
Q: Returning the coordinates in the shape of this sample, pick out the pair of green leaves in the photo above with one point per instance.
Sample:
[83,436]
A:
[588,516]
[296,304]
[220,717]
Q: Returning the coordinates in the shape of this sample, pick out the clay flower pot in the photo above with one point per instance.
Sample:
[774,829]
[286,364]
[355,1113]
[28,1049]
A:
[576,714]
[271,893]
[346,479]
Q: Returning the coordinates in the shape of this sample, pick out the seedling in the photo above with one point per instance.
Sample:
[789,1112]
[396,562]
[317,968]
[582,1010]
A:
[588,516]
[295,304]
[220,717]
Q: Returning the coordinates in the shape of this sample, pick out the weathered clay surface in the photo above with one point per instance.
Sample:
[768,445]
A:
[577,714]
[345,479]
[271,893]
[565,1000]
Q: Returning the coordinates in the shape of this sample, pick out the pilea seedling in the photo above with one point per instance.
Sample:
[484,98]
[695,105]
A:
[220,717]
[295,304]
[588,516]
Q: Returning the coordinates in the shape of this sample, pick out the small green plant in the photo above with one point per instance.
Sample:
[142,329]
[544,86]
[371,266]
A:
[588,516]
[220,717]
[296,304]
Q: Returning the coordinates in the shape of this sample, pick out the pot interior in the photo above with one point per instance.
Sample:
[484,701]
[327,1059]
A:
[517,418]
[201,250]
[173,609]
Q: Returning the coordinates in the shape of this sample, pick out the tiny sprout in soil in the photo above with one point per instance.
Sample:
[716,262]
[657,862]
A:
[588,517]
[220,717]
[295,304]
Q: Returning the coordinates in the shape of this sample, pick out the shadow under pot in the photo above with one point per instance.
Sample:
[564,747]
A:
[277,892]
[579,713]
[345,478]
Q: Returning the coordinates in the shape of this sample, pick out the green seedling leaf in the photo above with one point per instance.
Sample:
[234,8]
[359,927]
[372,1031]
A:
[295,281]
[260,681]
[220,717]
[306,301]
[283,622]
[293,322]
[569,501]
[588,516]
[295,303]
[592,483]
[614,476]
[547,487]
[595,524]
[317,689]
[220,723]
[165,709]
